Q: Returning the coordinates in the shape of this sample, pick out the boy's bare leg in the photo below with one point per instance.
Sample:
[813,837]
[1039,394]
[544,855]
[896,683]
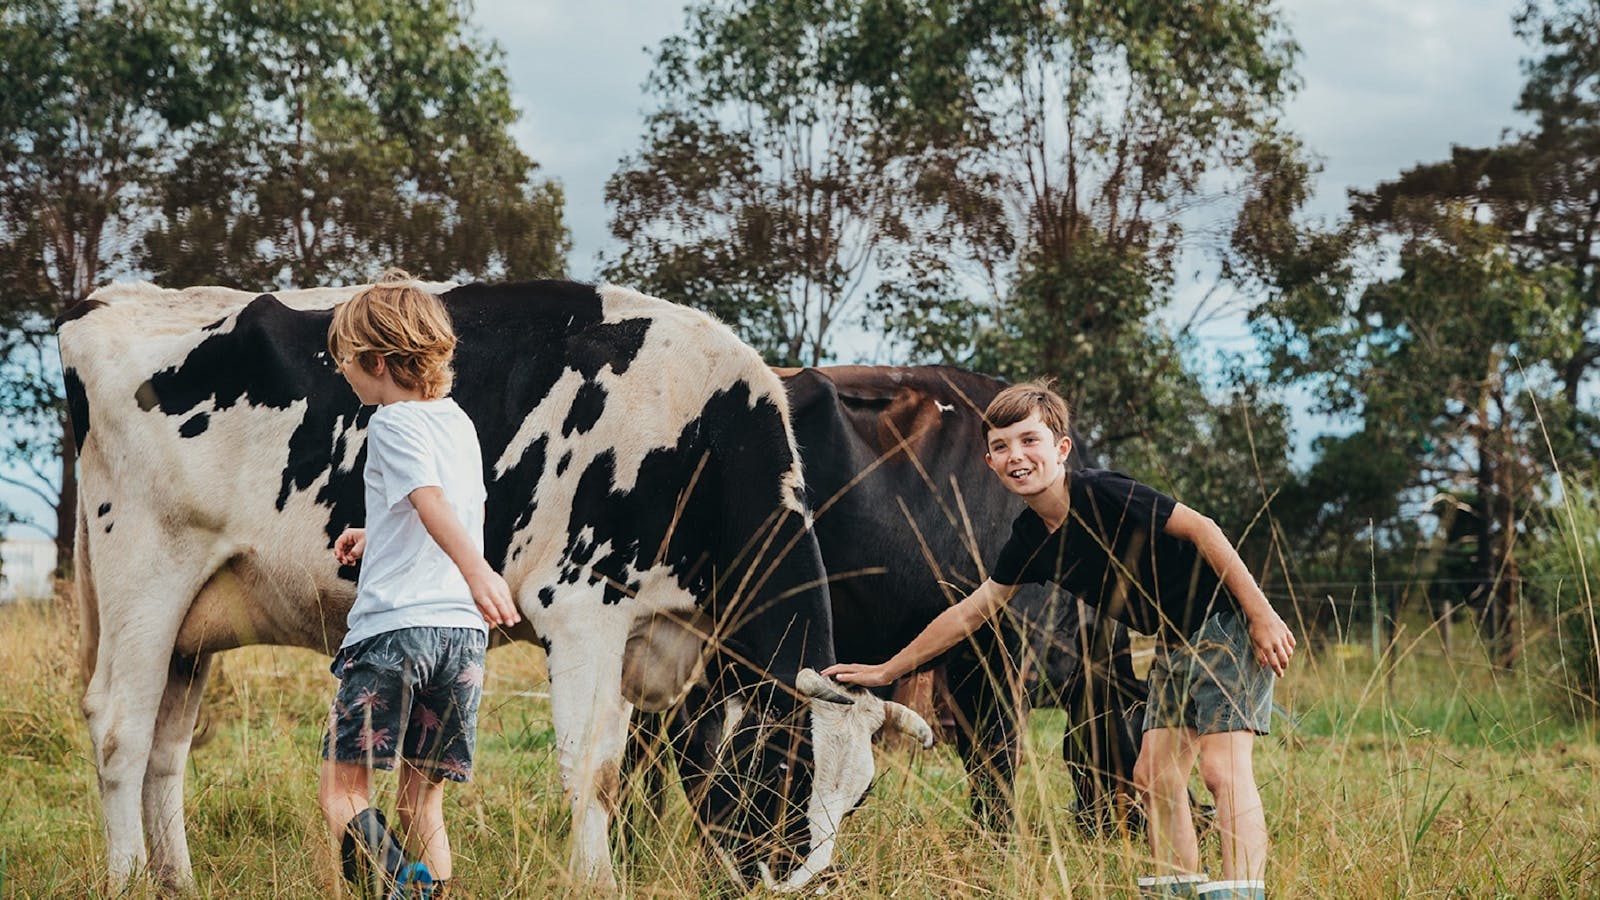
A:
[343,790]
[1166,757]
[421,808]
[1229,773]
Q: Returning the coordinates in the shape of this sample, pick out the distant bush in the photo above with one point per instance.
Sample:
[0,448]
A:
[1564,569]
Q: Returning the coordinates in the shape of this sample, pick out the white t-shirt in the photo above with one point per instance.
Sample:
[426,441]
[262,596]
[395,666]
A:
[406,579]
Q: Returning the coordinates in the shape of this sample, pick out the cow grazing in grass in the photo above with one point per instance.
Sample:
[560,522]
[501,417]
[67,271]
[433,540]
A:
[645,503]
[908,519]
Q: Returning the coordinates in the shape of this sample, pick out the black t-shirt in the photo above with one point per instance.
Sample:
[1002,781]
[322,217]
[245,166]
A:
[1114,553]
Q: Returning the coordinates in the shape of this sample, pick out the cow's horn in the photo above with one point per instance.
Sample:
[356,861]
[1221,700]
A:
[809,683]
[906,720]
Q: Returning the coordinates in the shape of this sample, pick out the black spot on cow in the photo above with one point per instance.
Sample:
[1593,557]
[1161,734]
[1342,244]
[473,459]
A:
[78,310]
[108,527]
[653,523]
[104,508]
[613,344]
[259,361]
[566,460]
[587,407]
[77,404]
[547,596]
[522,339]
[271,359]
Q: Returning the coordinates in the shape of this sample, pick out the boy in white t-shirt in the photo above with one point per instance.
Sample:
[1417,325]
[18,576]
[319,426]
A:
[411,666]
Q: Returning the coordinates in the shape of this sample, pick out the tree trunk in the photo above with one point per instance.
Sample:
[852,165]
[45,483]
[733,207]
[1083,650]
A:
[67,504]
[1491,626]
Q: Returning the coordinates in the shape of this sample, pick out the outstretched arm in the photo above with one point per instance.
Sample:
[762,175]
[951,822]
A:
[489,590]
[950,628]
[1269,634]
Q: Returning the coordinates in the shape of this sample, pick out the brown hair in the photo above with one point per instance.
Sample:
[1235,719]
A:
[1020,401]
[405,325]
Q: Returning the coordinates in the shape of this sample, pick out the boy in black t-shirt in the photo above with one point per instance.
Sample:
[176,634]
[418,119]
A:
[1163,569]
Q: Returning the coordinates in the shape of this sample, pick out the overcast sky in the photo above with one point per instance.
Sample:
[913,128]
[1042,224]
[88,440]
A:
[1385,85]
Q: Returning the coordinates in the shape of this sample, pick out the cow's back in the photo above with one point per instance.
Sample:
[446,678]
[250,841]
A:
[215,419]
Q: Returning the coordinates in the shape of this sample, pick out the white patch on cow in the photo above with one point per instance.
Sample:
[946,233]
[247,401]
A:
[354,439]
[687,396]
[944,407]
[732,714]
[841,737]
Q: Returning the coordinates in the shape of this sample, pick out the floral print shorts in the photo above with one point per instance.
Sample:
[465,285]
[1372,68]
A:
[408,694]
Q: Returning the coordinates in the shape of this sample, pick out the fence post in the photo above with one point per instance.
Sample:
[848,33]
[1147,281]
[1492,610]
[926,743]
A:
[1377,627]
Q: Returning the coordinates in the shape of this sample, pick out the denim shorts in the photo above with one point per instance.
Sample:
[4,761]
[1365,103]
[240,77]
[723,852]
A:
[408,694]
[1210,682]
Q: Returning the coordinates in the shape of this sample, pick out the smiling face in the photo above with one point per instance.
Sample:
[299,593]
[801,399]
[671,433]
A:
[1027,456]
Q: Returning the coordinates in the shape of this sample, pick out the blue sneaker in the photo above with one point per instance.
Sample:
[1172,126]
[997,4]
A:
[413,882]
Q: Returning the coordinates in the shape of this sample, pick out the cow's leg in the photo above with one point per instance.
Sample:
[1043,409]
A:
[644,777]
[591,724]
[140,606]
[987,705]
[122,703]
[163,779]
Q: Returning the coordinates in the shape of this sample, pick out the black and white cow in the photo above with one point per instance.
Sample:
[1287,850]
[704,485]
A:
[908,518]
[645,504]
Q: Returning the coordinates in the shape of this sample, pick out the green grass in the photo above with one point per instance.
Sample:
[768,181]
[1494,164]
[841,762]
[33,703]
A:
[1426,777]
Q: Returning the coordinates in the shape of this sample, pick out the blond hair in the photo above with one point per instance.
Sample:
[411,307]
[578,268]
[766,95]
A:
[1020,401]
[406,326]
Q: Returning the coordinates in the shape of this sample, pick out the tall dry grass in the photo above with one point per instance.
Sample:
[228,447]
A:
[1424,775]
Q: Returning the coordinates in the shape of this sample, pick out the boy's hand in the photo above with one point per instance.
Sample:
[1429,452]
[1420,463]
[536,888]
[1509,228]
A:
[855,673]
[1273,640]
[493,597]
[349,546]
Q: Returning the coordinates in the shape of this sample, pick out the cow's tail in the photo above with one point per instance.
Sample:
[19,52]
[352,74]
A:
[88,601]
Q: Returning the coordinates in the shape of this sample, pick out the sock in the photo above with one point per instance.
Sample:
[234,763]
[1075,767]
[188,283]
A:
[372,856]
[1171,885]
[1233,890]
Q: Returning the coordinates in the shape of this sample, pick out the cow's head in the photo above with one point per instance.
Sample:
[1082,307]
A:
[774,777]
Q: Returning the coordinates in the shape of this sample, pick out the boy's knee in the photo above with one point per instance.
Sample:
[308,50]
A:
[1224,773]
[1157,781]
[1142,775]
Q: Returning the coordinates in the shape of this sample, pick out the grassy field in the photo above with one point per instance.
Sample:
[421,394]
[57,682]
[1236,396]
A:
[1428,776]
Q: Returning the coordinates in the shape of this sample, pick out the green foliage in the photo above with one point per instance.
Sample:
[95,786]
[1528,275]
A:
[1069,149]
[763,191]
[357,136]
[245,144]
[1003,182]
[1442,365]
[1564,571]
[91,95]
